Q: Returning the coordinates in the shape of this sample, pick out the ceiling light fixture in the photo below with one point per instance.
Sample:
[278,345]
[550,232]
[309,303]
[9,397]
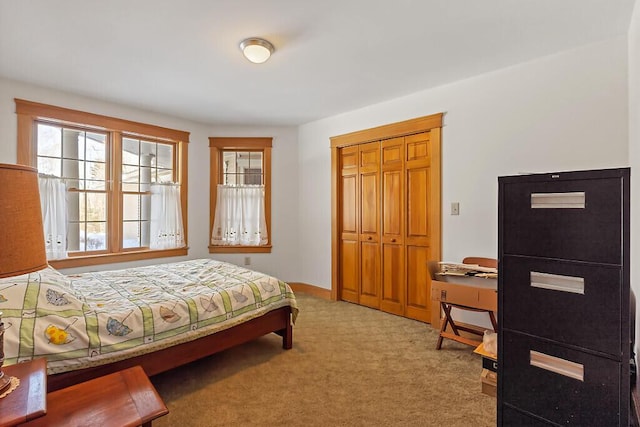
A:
[256,50]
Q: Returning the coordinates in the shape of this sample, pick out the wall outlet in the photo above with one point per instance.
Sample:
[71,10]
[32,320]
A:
[247,260]
[455,208]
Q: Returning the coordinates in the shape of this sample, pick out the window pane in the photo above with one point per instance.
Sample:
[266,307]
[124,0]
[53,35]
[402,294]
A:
[49,166]
[49,140]
[72,168]
[70,146]
[229,162]
[255,161]
[131,234]
[252,178]
[145,228]
[131,174]
[147,152]
[73,206]
[96,207]
[131,207]
[96,144]
[95,171]
[73,238]
[94,185]
[82,203]
[164,157]
[145,178]
[96,237]
[130,151]
[229,179]
[145,207]
[164,175]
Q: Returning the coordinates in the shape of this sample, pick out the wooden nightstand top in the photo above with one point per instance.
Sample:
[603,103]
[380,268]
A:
[29,400]
[124,398]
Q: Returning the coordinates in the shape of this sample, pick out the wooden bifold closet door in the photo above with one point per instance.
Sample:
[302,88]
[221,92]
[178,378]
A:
[386,216]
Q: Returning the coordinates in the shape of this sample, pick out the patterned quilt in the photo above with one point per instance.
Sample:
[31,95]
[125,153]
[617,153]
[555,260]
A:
[89,319]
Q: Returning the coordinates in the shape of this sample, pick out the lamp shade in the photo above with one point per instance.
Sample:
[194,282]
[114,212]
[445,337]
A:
[22,248]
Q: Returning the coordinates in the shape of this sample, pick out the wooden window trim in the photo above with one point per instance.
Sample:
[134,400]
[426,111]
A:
[29,112]
[216,146]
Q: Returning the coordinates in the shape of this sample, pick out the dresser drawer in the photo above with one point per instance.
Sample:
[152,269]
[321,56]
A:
[559,384]
[570,302]
[572,219]
[513,418]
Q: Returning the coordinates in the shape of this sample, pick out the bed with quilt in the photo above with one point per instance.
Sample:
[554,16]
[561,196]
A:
[159,316]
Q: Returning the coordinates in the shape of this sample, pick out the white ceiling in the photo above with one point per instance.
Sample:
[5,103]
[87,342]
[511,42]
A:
[181,57]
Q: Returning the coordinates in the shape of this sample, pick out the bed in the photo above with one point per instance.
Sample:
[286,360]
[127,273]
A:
[159,316]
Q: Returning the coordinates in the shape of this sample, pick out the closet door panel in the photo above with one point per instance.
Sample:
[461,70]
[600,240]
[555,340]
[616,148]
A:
[350,271]
[369,175]
[418,299]
[392,209]
[370,274]
[369,201]
[393,277]
[348,220]
[349,259]
[393,284]
[417,203]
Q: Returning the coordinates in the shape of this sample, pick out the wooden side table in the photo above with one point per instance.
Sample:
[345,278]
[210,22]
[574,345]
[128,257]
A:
[471,294]
[28,401]
[124,398]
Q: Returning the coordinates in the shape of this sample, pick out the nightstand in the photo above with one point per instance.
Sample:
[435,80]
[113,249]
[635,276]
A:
[29,400]
[124,398]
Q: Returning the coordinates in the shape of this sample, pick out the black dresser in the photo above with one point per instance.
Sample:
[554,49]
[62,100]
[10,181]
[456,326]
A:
[563,299]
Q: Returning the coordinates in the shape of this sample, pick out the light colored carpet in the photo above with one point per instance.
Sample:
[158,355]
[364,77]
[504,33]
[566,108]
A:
[349,366]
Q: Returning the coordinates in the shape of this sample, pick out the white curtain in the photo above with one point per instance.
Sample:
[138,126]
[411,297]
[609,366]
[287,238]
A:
[53,200]
[166,217]
[239,217]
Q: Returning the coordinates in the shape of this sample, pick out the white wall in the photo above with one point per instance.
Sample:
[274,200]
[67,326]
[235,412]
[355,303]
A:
[284,178]
[563,112]
[634,154]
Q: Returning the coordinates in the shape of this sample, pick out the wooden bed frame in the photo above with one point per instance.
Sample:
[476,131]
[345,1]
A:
[278,321]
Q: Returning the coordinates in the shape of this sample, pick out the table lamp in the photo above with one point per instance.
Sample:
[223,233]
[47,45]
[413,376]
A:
[22,248]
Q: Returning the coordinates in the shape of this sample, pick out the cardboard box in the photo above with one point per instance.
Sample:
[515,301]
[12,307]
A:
[489,381]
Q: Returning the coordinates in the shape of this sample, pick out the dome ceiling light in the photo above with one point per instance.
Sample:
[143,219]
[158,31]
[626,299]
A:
[256,50]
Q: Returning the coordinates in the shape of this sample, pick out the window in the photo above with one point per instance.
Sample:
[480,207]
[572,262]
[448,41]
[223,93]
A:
[240,185]
[109,168]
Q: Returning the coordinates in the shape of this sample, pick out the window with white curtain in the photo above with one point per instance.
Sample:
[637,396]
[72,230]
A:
[53,201]
[166,230]
[240,194]
[109,167]
[240,217]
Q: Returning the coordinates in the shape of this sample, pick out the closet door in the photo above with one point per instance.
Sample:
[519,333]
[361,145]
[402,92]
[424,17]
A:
[418,238]
[392,241]
[349,260]
[369,173]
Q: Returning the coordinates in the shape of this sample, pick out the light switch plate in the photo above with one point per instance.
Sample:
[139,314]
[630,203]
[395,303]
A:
[455,208]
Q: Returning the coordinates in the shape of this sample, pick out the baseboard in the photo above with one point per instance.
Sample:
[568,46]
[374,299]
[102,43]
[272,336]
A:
[311,290]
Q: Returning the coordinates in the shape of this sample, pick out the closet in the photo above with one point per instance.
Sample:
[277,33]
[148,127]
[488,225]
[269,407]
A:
[386,216]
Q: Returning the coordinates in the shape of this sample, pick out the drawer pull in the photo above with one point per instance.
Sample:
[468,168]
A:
[575,200]
[557,365]
[556,282]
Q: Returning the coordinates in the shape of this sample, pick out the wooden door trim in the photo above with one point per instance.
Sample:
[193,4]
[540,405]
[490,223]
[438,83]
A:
[393,130]
[431,123]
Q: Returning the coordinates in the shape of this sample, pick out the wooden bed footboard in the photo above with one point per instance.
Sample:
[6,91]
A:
[278,321]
